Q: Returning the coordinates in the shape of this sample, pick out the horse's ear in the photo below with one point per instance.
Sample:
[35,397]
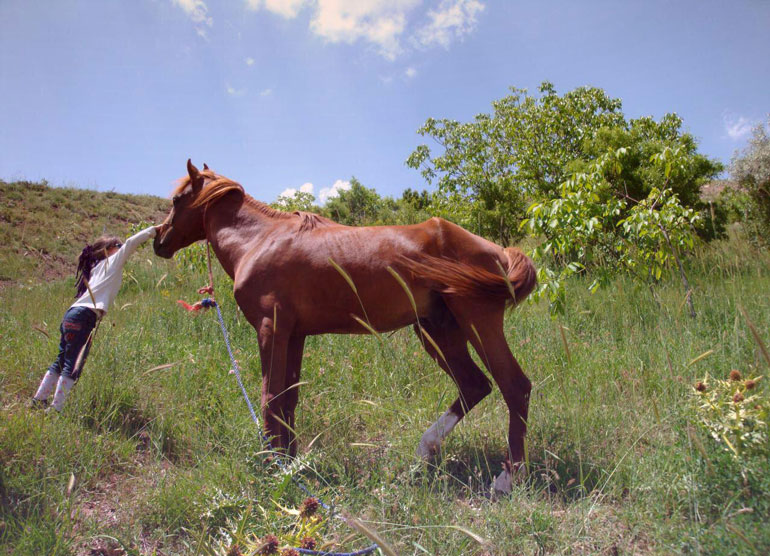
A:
[195,177]
[205,166]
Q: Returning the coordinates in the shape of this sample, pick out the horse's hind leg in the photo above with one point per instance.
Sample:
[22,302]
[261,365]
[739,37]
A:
[471,382]
[483,324]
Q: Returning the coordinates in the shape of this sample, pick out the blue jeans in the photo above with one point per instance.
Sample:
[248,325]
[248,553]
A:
[76,327]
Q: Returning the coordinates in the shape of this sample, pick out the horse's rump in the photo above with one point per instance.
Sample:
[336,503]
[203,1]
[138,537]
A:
[511,284]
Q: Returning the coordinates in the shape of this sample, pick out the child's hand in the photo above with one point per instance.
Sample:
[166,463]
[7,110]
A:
[138,227]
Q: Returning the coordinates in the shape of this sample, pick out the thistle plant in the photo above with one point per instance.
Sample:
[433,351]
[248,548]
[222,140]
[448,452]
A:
[735,412]
[235,539]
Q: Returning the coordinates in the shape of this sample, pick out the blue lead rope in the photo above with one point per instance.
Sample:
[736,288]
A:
[207,302]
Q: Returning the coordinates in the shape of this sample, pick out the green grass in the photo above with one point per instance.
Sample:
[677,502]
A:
[167,460]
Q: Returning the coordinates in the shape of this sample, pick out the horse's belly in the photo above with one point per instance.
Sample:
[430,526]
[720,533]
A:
[384,315]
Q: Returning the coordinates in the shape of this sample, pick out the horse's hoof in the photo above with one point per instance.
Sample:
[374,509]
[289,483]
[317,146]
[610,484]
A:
[428,451]
[503,483]
[512,473]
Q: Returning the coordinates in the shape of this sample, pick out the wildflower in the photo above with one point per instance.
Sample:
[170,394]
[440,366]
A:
[309,507]
[735,375]
[750,384]
[738,397]
[268,546]
[308,543]
[289,552]
[700,387]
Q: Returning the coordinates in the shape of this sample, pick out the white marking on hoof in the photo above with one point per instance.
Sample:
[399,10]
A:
[430,443]
[503,483]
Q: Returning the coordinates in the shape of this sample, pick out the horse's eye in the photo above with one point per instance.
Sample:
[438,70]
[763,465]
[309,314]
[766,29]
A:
[175,199]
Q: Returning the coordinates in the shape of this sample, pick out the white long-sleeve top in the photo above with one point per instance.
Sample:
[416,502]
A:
[107,276]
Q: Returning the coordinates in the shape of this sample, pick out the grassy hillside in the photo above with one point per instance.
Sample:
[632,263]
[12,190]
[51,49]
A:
[166,460]
[43,229]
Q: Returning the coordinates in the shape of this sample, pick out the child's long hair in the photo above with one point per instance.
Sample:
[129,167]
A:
[89,258]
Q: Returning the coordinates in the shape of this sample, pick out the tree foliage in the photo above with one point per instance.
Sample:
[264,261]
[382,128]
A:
[751,169]
[490,167]
[301,200]
[363,206]
[589,227]
[644,141]
[488,170]
[357,206]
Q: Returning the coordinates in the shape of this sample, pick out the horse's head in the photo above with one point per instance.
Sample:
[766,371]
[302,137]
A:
[184,224]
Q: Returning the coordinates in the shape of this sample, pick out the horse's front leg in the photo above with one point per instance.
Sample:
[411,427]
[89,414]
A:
[273,351]
[295,351]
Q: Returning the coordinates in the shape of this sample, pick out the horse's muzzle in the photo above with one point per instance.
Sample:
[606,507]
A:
[159,246]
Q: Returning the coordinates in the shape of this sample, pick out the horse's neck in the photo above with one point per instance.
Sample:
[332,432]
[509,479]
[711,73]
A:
[233,228]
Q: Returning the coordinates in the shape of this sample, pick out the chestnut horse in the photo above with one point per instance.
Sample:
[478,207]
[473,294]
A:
[291,272]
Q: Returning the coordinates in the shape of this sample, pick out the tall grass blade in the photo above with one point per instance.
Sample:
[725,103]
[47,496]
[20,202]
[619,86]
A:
[352,285]
[695,439]
[344,274]
[405,287]
[756,335]
[159,368]
[476,333]
[370,533]
[434,344]
[366,325]
[741,535]
[507,281]
[700,357]
[566,345]
[478,538]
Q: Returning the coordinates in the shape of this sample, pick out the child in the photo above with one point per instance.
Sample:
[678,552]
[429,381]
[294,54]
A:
[98,279]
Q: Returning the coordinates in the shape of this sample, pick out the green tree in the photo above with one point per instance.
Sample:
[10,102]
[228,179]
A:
[490,167]
[420,200]
[751,169]
[301,200]
[357,206]
[413,207]
[589,227]
[642,140]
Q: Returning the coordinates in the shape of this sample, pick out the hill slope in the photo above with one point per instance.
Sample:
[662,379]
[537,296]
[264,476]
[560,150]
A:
[43,228]
[155,452]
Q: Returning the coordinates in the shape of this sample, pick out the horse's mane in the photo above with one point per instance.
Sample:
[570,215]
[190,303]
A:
[219,186]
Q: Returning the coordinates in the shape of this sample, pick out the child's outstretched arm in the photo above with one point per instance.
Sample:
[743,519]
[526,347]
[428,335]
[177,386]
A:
[131,244]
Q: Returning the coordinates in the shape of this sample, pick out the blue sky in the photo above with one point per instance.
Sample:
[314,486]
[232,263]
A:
[283,95]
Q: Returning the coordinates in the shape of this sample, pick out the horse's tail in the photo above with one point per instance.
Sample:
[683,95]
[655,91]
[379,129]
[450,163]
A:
[512,283]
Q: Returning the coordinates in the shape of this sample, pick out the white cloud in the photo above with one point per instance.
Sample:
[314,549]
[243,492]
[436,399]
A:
[249,61]
[197,11]
[410,73]
[452,20]
[265,92]
[285,8]
[232,91]
[327,193]
[386,24]
[290,192]
[737,127]
[380,22]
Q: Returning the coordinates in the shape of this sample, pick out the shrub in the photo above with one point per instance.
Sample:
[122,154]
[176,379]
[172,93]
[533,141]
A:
[751,169]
